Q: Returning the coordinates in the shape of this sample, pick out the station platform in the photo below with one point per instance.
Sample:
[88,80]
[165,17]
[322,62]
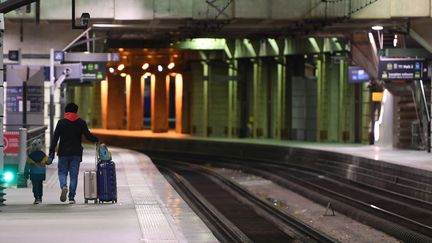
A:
[148,209]
[410,158]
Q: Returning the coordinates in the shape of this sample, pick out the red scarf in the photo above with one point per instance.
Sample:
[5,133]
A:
[71,116]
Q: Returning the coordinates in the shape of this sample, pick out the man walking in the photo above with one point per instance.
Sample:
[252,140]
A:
[69,130]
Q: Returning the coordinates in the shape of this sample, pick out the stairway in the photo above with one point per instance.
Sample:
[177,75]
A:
[409,122]
[406,123]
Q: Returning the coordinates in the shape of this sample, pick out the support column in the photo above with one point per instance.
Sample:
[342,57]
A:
[95,105]
[321,88]
[134,101]
[82,97]
[232,98]
[205,97]
[256,81]
[104,103]
[115,102]
[280,98]
[159,112]
[344,129]
[179,102]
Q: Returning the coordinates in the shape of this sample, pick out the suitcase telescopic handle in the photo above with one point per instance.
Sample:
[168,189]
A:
[96,155]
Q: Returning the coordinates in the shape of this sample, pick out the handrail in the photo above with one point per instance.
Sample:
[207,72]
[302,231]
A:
[343,8]
[37,129]
[425,106]
[35,133]
[423,95]
[417,112]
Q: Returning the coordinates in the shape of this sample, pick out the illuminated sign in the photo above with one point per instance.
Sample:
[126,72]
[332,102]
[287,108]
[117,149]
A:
[357,75]
[402,69]
[92,71]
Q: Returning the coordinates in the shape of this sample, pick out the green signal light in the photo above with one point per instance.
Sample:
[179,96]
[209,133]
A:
[8,176]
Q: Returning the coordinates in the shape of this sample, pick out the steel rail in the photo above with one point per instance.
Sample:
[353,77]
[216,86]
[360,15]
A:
[302,230]
[387,221]
[223,229]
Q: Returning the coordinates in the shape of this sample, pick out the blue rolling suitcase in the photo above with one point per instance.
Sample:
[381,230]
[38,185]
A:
[106,181]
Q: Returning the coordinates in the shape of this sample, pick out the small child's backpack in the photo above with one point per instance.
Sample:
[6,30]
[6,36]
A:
[103,153]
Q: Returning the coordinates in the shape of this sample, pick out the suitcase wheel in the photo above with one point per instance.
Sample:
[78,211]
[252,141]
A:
[86,201]
[95,201]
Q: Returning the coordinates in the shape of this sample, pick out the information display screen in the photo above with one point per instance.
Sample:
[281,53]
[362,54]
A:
[357,75]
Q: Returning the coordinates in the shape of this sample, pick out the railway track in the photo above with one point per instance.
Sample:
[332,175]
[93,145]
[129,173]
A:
[234,214]
[406,218]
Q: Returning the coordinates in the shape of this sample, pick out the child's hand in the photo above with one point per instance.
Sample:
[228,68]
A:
[50,160]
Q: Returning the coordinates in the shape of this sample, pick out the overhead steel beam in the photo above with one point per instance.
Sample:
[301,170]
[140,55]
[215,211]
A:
[10,5]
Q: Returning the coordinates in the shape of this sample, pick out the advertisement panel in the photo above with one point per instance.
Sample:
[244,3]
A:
[11,143]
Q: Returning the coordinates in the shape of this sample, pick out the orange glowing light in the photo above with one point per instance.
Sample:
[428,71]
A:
[179,102]
[152,97]
[120,67]
[128,97]
[104,102]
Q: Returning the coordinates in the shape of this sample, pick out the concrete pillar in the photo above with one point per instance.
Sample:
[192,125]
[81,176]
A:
[95,105]
[134,101]
[345,129]
[115,102]
[256,87]
[159,112]
[232,99]
[104,103]
[320,98]
[179,103]
[82,97]
[187,78]
[205,97]
[280,98]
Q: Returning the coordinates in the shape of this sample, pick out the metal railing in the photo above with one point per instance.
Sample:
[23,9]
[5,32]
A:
[427,115]
[36,133]
[338,9]
[423,114]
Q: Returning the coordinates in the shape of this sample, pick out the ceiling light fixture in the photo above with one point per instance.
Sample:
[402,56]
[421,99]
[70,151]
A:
[377,27]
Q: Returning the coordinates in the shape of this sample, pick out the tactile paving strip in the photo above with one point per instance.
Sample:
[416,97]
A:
[153,222]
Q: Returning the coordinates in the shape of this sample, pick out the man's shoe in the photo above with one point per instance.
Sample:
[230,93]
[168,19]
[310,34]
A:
[71,201]
[36,201]
[63,194]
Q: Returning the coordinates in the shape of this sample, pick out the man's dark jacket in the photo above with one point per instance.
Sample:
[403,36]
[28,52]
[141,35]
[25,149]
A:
[70,130]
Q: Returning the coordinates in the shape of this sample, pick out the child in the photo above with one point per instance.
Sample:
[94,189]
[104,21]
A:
[35,168]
